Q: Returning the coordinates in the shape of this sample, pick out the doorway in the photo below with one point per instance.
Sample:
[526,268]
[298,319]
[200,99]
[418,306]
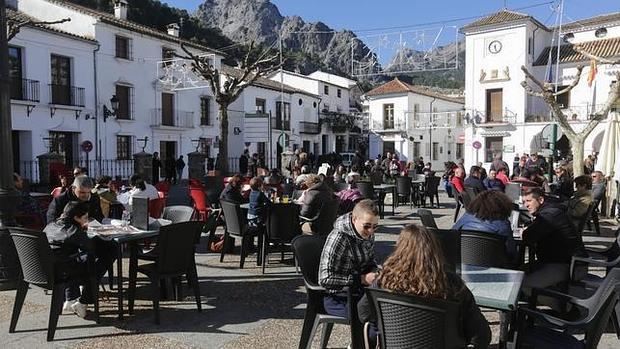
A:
[167,149]
[64,143]
[495,105]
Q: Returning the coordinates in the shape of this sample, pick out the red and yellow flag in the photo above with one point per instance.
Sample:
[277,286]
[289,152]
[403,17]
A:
[592,74]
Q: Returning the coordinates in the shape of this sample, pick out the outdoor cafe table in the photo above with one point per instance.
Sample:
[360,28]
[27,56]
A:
[383,188]
[494,288]
[120,236]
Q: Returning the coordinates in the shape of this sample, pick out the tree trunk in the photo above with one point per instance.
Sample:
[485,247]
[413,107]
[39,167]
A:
[223,144]
[577,147]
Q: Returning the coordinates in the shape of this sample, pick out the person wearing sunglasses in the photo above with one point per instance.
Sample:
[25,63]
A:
[348,257]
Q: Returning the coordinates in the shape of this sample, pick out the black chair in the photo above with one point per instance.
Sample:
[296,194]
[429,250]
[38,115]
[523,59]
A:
[403,190]
[308,249]
[431,191]
[282,226]
[483,249]
[237,227]
[553,332]
[368,192]
[39,268]
[608,258]
[593,220]
[323,222]
[426,216]
[583,220]
[175,258]
[450,242]
[406,321]
[466,197]
[178,213]
[458,199]
[472,193]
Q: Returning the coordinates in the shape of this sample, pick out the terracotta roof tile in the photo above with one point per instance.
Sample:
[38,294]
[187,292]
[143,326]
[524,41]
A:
[496,18]
[397,86]
[265,82]
[592,22]
[18,16]
[603,48]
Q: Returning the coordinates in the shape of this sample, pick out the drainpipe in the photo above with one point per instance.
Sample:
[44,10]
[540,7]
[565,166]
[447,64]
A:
[97,140]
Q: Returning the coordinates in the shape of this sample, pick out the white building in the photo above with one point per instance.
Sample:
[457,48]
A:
[340,128]
[124,63]
[414,122]
[503,118]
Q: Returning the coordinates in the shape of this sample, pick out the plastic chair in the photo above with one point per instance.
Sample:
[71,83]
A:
[403,190]
[323,222]
[156,207]
[281,227]
[237,227]
[178,213]
[483,249]
[608,258]
[56,192]
[426,216]
[583,220]
[593,219]
[431,191]
[406,321]
[175,258]
[201,205]
[38,269]
[163,186]
[308,249]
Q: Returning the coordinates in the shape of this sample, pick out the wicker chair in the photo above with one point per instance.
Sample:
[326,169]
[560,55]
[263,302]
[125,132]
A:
[483,249]
[178,213]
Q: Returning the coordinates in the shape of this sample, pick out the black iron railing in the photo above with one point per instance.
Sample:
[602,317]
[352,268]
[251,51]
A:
[66,95]
[25,89]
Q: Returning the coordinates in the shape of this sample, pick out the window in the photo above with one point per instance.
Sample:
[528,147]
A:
[341,143]
[388,116]
[416,149]
[123,147]
[326,89]
[15,72]
[339,93]
[123,47]
[435,150]
[61,79]
[494,145]
[123,94]
[600,32]
[167,54]
[205,111]
[283,116]
[564,98]
[204,146]
[260,106]
[459,119]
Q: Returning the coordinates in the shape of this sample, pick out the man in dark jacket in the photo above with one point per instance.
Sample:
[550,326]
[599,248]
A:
[555,239]
[232,191]
[473,180]
[80,191]
[313,198]
[156,166]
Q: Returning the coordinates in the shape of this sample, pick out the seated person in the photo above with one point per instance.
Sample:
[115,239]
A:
[416,267]
[474,180]
[274,178]
[27,204]
[581,200]
[555,239]
[105,193]
[80,191]
[562,187]
[299,180]
[348,257]
[457,180]
[489,212]
[141,189]
[257,213]
[71,246]
[493,183]
[313,198]
[502,175]
[599,186]
[232,191]
[350,196]
[340,174]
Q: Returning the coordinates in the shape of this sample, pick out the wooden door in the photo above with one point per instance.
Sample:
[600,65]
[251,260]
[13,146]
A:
[167,109]
[495,105]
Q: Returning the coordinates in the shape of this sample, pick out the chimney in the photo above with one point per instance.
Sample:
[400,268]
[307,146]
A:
[173,29]
[120,9]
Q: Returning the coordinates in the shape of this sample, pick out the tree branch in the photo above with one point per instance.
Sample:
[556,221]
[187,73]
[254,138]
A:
[13,26]
[573,84]
[529,75]
[598,59]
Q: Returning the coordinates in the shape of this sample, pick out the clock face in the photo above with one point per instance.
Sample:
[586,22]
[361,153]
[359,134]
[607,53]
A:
[495,46]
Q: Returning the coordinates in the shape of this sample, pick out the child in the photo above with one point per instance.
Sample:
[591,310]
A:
[258,203]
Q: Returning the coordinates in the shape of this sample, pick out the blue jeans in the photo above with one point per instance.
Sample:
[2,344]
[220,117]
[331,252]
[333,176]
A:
[336,305]
[105,254]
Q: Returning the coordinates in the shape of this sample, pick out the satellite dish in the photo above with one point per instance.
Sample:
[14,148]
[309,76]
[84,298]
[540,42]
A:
[548,130]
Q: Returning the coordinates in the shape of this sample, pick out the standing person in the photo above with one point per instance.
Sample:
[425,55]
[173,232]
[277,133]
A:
[252,166]
[385,163]
[156,165]
[419,166]
[171,176]
[180,165]
[348,257]
[498,163]
[293,161]
[243,162]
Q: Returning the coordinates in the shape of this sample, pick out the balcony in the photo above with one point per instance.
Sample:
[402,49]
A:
[437,120]
[309,127]
[25,90]
[279,124]
[396,126]
[172,119]
[482,119]
[574,113]
[66,95]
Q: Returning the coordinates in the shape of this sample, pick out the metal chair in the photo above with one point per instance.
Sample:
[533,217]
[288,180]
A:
[426,216]
[403,190]
[38,268]
[583,220]
[431,190]
[483,249]
[308,249]
[593,219]
[368,192]
[237,227]
[608,258]
[406,321]
[178,213]
[323,222]
[175,258]
[281,227]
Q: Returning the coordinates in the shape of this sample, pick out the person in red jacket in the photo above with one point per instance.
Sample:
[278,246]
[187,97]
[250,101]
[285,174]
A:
[457,179]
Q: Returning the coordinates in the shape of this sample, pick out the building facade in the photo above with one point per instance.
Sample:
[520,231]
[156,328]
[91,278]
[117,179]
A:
[501,117]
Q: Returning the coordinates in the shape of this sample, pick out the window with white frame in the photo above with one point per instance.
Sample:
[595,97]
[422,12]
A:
[123,147]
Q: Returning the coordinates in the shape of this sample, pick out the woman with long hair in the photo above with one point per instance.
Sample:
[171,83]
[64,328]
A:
[416,267]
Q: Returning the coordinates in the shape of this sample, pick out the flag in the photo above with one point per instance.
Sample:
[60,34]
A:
[592,74]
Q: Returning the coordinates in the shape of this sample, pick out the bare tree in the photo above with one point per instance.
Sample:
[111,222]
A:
[226,87]
[546,91]
[14,25]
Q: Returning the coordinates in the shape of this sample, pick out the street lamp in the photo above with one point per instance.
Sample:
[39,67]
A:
[107,113]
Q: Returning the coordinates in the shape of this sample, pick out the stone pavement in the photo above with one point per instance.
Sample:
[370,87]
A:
[241,308]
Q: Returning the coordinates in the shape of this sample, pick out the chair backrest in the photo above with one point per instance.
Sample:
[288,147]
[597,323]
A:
[56,192]
[199,197]
[163,186]
[600,307]
[584,219]
[376,177]
[466,198]
[483,249]
[426,216]
[328,213]
[403,185]
[235,220]
[472,192]
[367,189]
[178,213]
[406,321]
[35,256]
[156,207]
[283,222]
[450,242]
[513,191]
[308,249]
[175,246]
[432,185]
[140,212]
